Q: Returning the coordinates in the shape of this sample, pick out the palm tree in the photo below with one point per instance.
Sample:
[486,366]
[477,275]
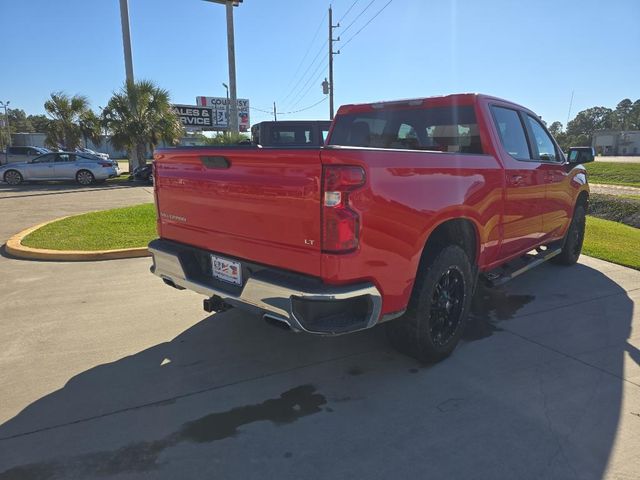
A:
[67,114]
[138,117]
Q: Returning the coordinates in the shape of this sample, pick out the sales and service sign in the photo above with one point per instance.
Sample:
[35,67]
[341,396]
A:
[194,118]
[219,107]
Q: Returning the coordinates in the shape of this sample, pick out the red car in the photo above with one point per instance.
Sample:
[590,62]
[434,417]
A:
[392,221]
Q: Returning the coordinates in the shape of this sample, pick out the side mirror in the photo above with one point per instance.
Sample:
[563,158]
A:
[579,155]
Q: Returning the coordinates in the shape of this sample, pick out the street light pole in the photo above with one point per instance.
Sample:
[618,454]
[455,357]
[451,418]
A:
[227,87]
[6,116]
[103,122]
[126,39]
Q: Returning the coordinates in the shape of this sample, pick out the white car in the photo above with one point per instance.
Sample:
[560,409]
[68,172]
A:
[83,168]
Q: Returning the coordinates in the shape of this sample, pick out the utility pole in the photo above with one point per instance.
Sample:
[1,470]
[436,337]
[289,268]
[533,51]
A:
[275,113]
[231,56]
[126,39]
[231,47]
[331,54]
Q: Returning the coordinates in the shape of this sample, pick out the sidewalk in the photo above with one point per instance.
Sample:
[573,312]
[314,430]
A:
[613,189]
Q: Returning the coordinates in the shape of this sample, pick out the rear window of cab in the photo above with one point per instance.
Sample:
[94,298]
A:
[452,129]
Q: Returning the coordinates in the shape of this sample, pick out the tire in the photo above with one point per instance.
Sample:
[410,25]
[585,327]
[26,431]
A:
[13,177]
[572,243]
[431,327]
[150,179]
[85,177]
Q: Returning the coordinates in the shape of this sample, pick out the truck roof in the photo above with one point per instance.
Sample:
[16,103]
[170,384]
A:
[436,100]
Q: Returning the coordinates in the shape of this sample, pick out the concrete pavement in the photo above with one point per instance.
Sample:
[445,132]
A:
[613,189]
[622,159]
[104,371]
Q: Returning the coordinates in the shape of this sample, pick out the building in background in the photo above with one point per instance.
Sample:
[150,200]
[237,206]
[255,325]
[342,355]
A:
[616,142]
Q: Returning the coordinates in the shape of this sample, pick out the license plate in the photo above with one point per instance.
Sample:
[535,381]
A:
[226,270]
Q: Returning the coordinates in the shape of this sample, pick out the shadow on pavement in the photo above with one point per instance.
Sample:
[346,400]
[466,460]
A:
[530,402]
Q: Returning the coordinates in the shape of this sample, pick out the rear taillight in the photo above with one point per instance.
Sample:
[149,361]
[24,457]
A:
[340,223]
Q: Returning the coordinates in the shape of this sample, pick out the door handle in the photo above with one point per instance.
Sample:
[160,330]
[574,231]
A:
[517,180]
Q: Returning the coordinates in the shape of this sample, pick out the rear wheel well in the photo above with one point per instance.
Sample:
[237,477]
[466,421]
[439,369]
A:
[460,231]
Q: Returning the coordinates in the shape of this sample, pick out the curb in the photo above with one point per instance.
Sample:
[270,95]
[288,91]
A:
[15,248]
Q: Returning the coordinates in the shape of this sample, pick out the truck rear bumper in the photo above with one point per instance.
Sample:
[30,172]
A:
[303,302]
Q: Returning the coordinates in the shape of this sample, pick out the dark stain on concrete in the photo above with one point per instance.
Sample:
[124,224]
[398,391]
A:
[450,405]
[413,370]
[143,456]
[289,407]
[355,371]
[489,307]
[341,399]
[288,454]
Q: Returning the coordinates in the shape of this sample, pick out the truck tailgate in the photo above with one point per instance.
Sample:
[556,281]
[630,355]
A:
[252,204]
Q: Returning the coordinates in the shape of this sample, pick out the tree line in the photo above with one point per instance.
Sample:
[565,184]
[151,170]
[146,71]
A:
[579,131]
[137,118]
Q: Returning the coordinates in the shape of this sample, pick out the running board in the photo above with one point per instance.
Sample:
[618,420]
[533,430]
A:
[512,269]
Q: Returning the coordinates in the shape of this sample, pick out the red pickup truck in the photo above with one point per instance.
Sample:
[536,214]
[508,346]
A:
[393,220]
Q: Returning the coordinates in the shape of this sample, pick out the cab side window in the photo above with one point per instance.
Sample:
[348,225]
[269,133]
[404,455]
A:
[545,146]
[511,132]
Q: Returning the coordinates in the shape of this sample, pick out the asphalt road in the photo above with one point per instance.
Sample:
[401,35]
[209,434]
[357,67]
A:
[105,372]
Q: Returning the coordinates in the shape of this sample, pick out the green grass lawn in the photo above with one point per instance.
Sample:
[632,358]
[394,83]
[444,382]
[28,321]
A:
[627,174]
[127,227]
[135,226]
[613,242]
[124,177]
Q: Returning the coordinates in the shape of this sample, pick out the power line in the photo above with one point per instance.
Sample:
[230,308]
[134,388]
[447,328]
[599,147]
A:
[305,108]
[304,92]
[306,71]
[315,35]
[270,112]
[357,17]
[348,10]
[365,25]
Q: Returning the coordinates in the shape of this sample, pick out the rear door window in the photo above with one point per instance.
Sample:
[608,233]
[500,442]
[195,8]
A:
[511,132]
[452,129]
[65,157]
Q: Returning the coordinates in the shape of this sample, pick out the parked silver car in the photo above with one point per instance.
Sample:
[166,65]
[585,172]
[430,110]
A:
[83,168]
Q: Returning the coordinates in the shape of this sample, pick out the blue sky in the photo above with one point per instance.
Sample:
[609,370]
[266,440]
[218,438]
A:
[531,52]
